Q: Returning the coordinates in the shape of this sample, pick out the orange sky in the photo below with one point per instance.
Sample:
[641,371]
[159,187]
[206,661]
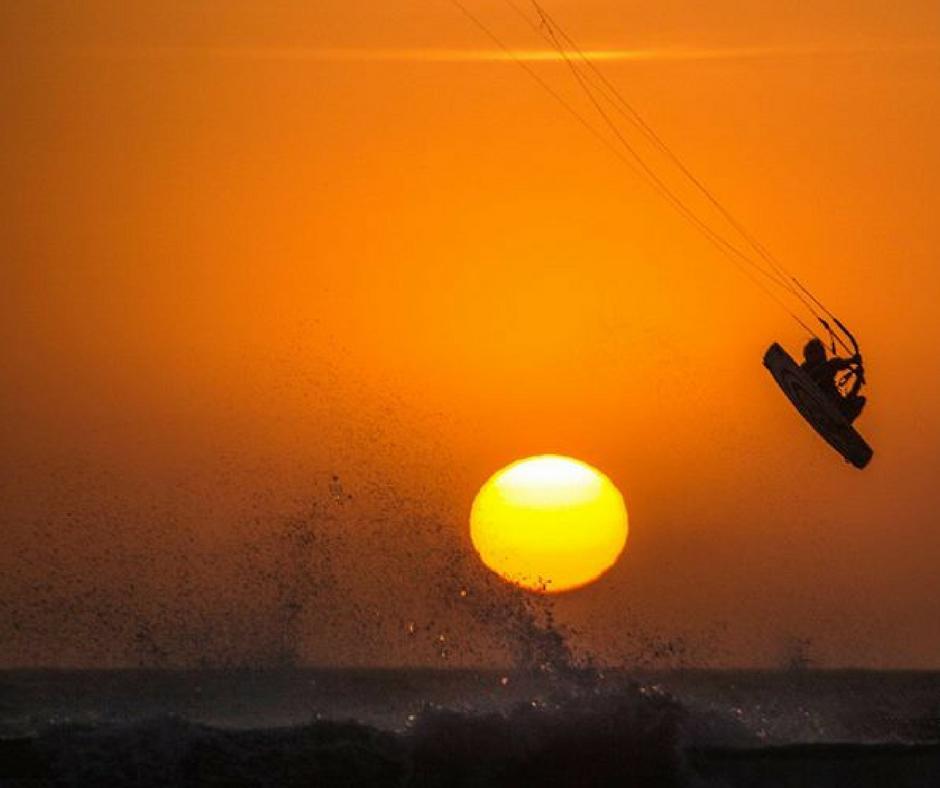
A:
[251,246]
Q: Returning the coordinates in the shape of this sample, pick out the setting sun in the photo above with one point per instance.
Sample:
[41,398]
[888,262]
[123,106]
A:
[549,523]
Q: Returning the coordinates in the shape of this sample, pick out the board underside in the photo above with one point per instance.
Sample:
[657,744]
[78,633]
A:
[816,408]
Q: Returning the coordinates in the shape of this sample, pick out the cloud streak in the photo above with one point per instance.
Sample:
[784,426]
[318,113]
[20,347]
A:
[640,54]
[364,55]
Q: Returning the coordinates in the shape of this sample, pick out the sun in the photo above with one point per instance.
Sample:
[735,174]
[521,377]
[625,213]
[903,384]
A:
[549,523]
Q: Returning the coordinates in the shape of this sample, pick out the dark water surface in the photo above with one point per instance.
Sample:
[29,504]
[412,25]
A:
[469,728]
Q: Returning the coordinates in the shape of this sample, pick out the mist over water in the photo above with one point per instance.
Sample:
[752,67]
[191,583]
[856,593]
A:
[249,568]
[272,581]
[203,593]
[213,631]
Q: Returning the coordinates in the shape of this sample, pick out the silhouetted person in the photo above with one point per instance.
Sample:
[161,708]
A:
[823,371]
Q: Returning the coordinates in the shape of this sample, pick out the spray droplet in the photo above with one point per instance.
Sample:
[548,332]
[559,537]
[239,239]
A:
[336,488]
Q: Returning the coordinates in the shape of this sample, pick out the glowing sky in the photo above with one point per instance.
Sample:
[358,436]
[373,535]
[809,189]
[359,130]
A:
[248,246]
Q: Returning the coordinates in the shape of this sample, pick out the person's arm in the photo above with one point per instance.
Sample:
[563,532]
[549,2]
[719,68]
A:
[856,384]
[853,364]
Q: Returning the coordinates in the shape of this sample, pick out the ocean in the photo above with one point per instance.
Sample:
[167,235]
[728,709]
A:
[411,727]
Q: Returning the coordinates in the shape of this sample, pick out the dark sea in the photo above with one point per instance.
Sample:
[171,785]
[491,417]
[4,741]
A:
[798,728]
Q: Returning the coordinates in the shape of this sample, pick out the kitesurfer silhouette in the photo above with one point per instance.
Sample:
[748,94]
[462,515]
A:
[825,391]
[823,371]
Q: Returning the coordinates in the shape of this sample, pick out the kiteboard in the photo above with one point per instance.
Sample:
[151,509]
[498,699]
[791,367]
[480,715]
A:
[814,406]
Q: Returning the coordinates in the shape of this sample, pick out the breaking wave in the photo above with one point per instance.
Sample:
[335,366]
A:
[598,732]
[587,741]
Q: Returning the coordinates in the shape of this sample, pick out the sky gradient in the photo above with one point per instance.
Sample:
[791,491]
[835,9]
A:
[250,247]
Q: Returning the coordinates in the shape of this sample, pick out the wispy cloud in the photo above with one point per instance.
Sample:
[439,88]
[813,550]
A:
[363,55]
[640,54]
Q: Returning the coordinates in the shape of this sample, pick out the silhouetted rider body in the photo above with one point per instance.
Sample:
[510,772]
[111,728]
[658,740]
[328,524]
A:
[823,371]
